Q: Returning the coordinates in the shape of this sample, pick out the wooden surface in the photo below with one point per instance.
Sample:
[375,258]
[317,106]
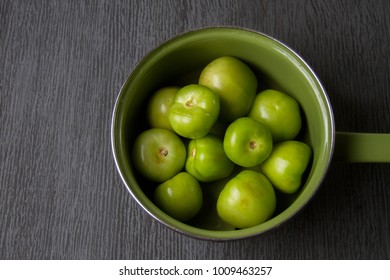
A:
[62,65]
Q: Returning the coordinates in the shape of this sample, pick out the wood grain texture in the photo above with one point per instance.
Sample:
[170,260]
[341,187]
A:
[62,65]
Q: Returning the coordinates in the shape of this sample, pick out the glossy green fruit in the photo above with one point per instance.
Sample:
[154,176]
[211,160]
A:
[247,142]
[286,165]
[280,112]
[234,82]
[180,197]
[158,107]
[247,200]
[158,154]
[206,159]
[194,111]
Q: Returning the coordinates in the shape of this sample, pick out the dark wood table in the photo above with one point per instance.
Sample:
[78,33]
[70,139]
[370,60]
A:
[62,66]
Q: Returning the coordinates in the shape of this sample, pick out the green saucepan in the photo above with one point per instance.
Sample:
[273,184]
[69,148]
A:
[179,61]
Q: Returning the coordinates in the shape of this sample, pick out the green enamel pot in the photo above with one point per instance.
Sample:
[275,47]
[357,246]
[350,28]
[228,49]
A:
[179,62]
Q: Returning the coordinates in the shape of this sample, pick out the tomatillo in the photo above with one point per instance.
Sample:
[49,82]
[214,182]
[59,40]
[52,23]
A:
[247,142]
[158,107]
[279,111]
[247,200]
[194,111]
[180,197]
[206,159]
[286,165]
[234,82]
[158,154]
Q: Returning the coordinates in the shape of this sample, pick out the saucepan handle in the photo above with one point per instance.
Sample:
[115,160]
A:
[362,147]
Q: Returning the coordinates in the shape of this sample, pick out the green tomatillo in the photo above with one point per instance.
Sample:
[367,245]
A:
[180,197]
[194,111]
[247,142]
[158,107]
[279,111]
[247,200]
[234,82]
[286,165]
[158,154]
[206,159]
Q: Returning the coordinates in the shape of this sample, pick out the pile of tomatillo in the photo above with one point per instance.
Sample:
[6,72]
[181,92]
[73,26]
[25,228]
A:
[222,130]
